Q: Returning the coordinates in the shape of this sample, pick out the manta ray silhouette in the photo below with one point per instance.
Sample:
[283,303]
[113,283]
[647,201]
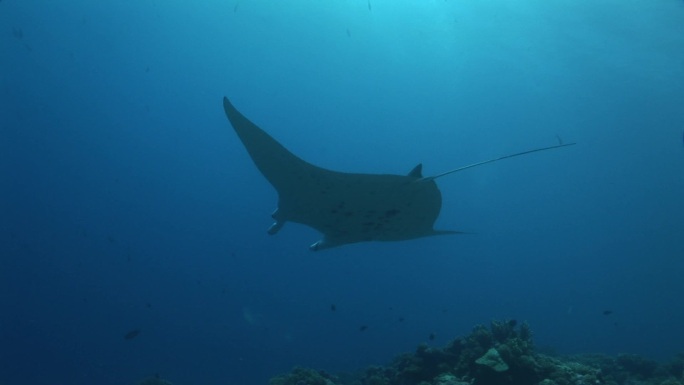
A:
[346,207]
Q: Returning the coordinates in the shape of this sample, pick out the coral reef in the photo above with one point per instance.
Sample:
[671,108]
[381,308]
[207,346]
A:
[501,354]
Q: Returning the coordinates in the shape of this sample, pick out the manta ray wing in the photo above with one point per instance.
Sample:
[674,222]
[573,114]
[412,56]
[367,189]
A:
[344,207]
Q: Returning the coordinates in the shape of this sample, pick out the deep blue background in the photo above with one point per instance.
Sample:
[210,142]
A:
[128,201]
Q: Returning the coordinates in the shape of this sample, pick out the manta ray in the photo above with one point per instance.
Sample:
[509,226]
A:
[346,207]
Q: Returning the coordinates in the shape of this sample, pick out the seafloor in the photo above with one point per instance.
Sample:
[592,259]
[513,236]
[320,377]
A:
[501,354]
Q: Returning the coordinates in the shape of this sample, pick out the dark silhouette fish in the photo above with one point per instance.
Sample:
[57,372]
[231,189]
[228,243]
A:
[607,312]
[132,334]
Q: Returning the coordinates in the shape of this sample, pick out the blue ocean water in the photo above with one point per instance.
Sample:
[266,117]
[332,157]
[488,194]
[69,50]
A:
[129,204]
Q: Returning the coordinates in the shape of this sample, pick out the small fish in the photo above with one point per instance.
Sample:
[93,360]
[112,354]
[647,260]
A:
[363,328]
[132,334]
[333,307]
[431,337]
[236,7]
[348,33]
[607,312]
[369,6]
[401,319]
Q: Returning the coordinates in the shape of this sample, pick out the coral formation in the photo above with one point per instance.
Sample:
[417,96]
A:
[501,354]
[492,359]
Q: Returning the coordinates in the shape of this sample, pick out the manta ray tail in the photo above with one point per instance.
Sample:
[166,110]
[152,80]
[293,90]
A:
[429,178]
